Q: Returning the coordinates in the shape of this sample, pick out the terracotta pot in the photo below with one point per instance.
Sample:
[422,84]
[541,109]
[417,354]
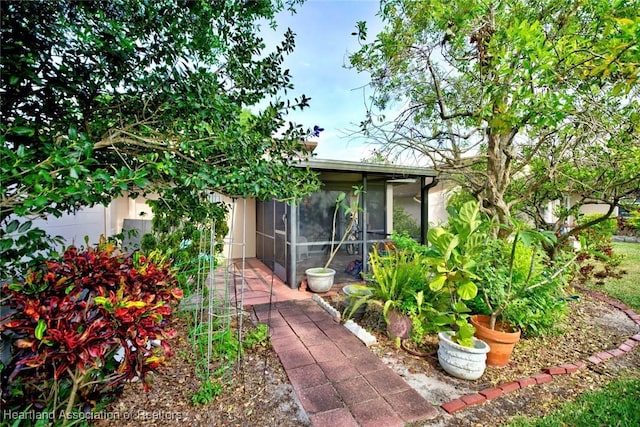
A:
[500,341]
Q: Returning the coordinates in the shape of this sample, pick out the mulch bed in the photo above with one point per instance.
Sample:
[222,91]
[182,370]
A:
[260,394]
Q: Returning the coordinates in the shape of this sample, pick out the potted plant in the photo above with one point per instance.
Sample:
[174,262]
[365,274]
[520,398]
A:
[507,282]
[352,294]
[320,279]
[452,255]
[394,274]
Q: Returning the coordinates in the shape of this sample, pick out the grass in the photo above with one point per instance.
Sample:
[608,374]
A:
[616,403]
[627,288]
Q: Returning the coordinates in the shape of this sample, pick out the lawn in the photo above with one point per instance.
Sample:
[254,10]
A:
[616,403]
[626,288]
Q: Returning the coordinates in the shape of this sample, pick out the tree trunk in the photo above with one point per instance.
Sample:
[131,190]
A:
[498,178]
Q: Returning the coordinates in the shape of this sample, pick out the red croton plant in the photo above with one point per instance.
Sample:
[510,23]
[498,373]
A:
[67,321]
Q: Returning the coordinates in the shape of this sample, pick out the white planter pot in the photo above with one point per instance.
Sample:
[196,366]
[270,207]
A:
[467,363]
[320,279]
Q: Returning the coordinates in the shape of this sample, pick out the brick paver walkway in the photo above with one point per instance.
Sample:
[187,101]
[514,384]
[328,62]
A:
[338,380]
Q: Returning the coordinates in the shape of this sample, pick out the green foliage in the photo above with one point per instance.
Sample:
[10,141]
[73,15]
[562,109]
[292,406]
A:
[404,223]
[623,282]
[186,235]
[405,242]
[519,285]
[394,277]
[454,253]
[102,99]
[220,339]
[23,246]
[400,279]
[209,390]
[597,236]
[257,337]
[520,103]
[634,219]
[69,319]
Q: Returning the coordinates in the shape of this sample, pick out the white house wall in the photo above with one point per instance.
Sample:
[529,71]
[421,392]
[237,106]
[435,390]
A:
[73,228]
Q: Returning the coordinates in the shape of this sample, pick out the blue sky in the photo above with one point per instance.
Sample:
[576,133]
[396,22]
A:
[323,42]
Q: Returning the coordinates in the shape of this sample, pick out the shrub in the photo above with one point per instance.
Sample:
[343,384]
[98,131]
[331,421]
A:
[597,236]
[634,219]
[404,223]
[185,234]
[82,325]
[535,303]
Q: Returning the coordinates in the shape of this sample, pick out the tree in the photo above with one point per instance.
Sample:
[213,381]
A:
[595,161]
[496,91]
[104,98]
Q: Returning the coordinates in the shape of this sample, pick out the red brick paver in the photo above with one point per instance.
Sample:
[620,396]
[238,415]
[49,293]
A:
[339,382]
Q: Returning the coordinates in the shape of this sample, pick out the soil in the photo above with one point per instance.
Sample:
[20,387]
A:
[257,392]
[261,395]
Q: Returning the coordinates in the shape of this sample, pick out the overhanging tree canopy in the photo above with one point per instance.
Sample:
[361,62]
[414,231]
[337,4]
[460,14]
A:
[106,97]
[486,88]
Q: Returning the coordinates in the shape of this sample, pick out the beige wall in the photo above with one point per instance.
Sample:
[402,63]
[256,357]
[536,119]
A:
[438,197]
[73,228]
[242,225]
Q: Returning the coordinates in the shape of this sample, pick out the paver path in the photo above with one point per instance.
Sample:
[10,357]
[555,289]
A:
[338,380]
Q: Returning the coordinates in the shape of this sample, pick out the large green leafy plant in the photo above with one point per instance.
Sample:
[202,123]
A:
[79,326]
[394,277]
[454,254]
[192,238]
[519,285]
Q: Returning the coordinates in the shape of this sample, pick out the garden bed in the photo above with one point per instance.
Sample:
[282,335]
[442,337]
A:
[591,326]
[262,395]
[259,394]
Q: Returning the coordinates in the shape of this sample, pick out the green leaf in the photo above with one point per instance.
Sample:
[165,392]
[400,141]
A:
[23,131]
[5,244]
[437,283]
[444,319]
[464,335]
[40,329]
[460,307]
[24,226]
[73,133]
[467,290]
[13,226]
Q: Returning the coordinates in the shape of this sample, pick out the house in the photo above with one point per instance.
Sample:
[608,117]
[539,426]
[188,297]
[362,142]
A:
[287,237]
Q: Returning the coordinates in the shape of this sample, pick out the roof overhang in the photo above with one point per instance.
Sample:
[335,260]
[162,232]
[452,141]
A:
[389,171]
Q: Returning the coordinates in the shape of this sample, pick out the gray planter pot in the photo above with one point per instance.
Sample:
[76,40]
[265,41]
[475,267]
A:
[467,363]
[352,294]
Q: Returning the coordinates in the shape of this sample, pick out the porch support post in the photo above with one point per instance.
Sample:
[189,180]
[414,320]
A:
[424,207]
[365,226]
[292,226]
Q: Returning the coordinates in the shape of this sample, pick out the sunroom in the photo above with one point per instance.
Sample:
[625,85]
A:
[293,237]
